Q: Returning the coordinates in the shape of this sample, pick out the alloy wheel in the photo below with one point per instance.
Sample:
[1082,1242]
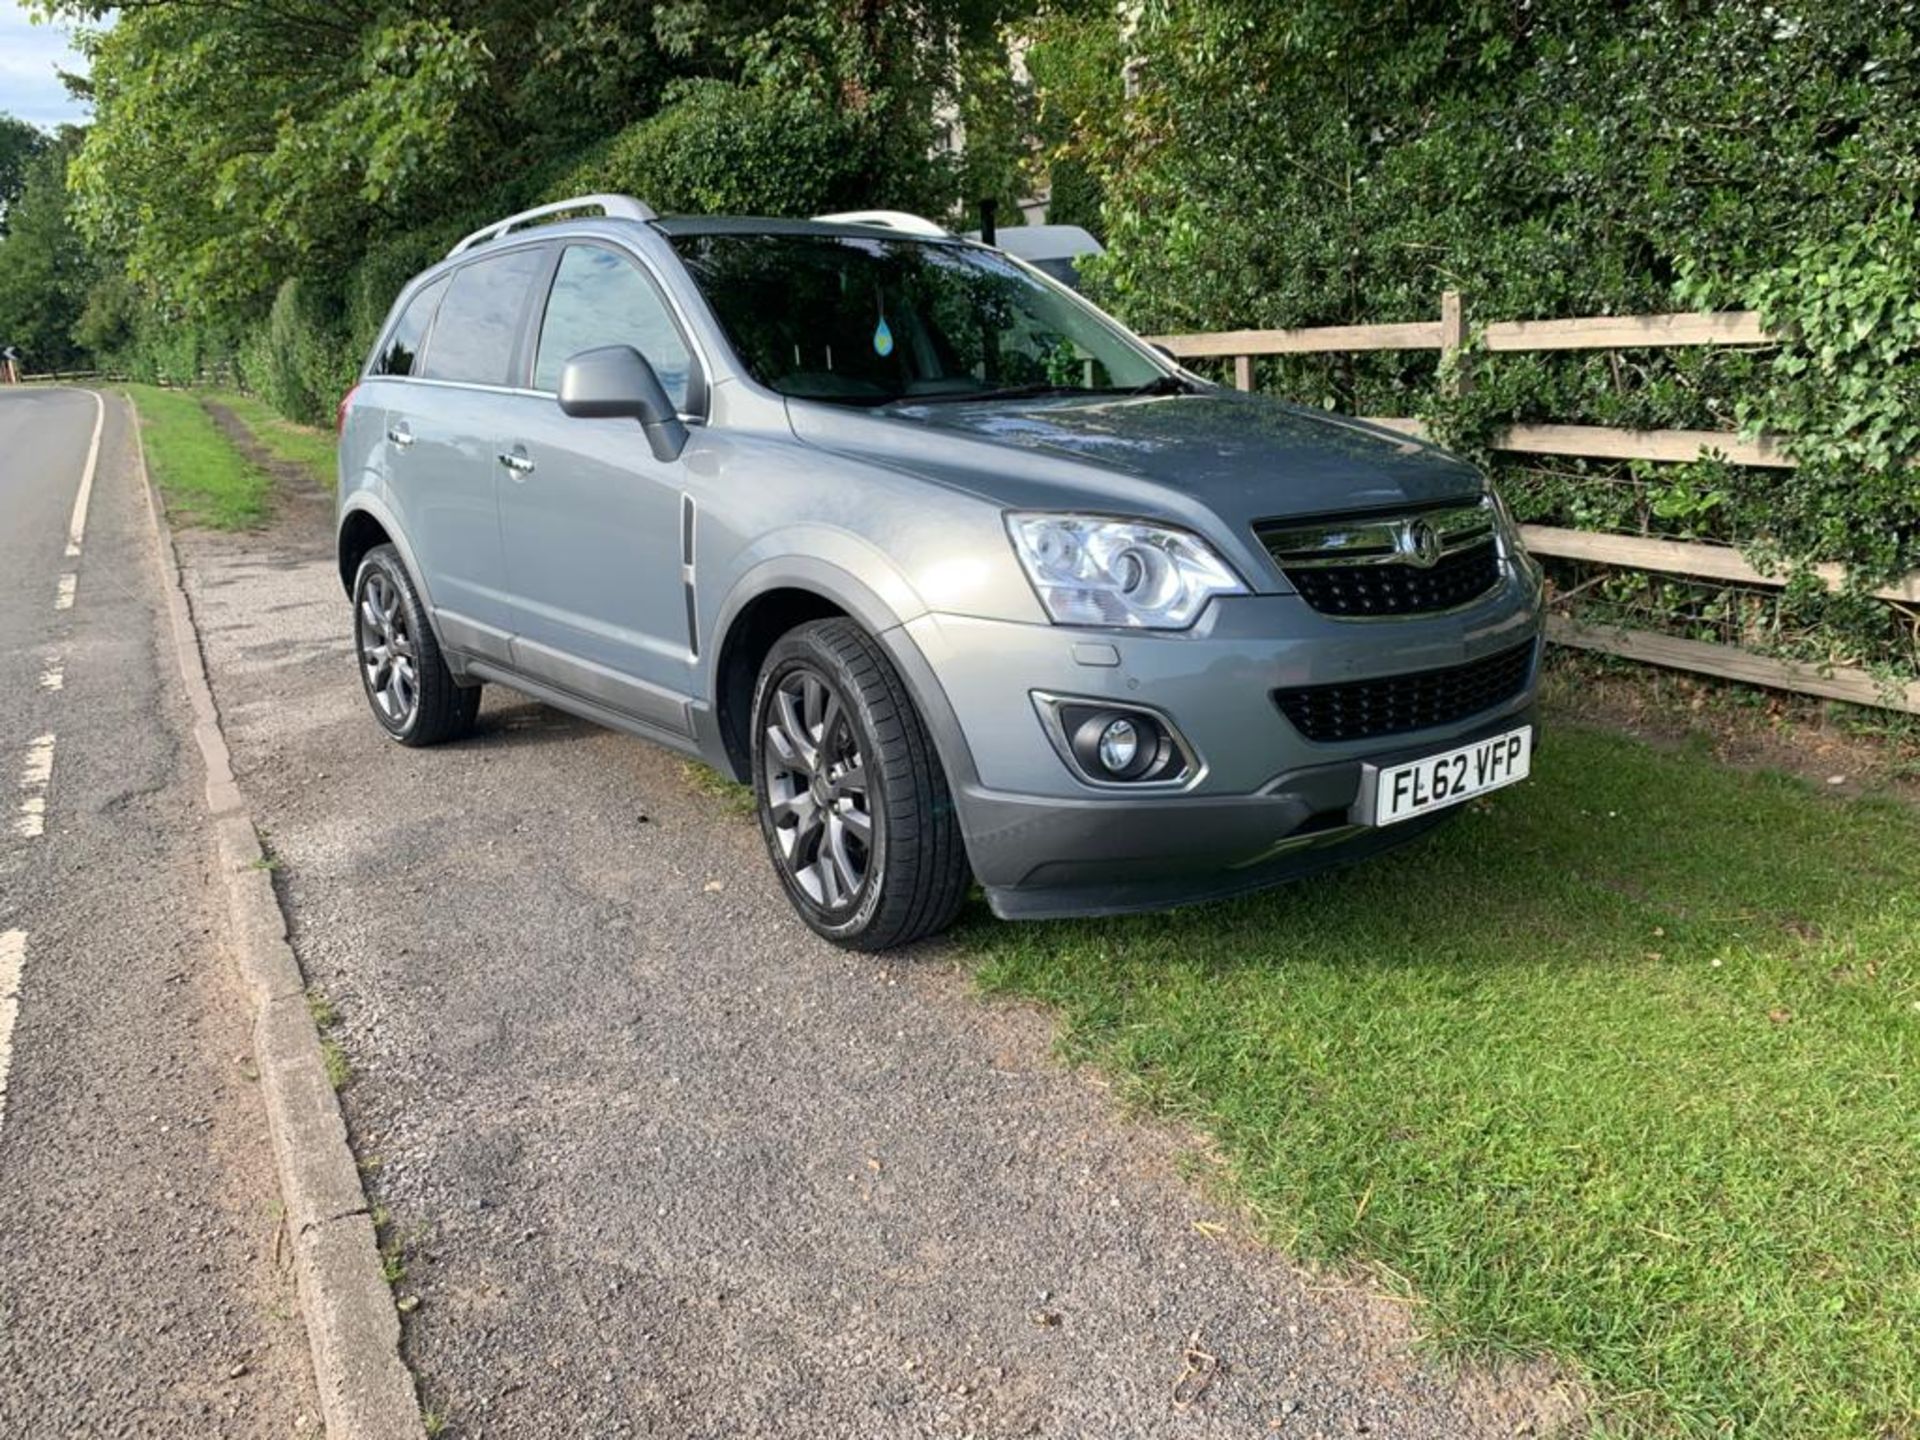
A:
[386,651]
[817,790]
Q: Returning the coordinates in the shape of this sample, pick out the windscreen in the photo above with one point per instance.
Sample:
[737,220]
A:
[873,320]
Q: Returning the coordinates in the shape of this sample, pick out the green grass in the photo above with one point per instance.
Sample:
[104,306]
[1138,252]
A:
[737,798]
[206,481]
[281,438]
[339,1068]
[1623,1066]
[325,1017]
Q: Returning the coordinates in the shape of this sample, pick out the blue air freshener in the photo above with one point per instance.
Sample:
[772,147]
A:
[882,338]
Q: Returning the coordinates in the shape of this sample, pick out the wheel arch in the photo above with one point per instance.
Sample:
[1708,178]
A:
[366,523]
[360,531]
[775,597]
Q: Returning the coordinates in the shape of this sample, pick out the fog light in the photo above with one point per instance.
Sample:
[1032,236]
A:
[1119,744]
[1110,745]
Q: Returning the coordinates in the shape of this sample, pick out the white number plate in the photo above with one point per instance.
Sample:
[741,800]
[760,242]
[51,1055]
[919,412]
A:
[1434,782]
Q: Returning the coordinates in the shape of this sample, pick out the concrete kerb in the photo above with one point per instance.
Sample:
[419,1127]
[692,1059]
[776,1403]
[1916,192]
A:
[366,1391]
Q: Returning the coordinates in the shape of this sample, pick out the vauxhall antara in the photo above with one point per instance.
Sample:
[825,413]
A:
[970,583]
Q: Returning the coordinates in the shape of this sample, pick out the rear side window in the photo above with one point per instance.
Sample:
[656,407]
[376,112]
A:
[600,298]
[402,351]
[480,318]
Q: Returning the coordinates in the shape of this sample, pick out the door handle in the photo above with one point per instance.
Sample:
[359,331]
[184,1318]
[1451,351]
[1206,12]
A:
[400,435]
[517,462]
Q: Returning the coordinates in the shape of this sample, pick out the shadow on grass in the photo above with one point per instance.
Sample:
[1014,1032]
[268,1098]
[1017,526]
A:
[1620,1066]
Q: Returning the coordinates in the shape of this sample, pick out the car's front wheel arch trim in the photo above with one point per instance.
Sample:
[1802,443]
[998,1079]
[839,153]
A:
[814,584]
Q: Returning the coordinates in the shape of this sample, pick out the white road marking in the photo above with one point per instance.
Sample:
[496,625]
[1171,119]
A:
[64,600]
[13,960]
[35,776]
[39,767]
[77,526]
[54,677]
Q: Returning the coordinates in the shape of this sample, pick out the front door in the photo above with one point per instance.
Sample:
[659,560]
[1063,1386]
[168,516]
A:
[590,521]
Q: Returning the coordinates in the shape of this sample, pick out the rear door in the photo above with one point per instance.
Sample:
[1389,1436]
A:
[591,522]
[449,433]
[377,443]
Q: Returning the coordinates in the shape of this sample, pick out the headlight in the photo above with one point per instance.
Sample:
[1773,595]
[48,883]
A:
[1090,571]
[1509,527]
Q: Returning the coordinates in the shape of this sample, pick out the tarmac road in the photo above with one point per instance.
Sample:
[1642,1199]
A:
[140,1289]
[657,1162]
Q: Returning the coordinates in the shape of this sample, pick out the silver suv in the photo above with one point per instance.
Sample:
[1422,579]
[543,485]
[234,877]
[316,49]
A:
[969,582]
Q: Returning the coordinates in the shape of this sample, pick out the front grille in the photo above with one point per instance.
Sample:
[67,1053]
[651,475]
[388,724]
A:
[1396,704]
[1394,589]
[1412,561]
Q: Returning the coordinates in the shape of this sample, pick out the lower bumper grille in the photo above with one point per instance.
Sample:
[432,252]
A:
[1397,704]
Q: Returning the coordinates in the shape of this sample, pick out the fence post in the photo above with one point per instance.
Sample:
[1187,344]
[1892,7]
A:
[1453,339]
[1243,372]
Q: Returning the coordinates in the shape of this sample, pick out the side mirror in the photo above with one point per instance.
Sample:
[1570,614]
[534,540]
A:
[616,382]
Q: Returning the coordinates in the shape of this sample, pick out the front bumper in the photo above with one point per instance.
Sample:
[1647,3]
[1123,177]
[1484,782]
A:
[1264,804]
[1044,858]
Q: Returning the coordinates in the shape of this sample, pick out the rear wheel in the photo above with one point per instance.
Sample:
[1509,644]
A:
[852,800]
[413,694]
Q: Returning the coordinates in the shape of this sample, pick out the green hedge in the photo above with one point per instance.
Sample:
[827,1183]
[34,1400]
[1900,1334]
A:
[301,361]
[1349,161]
[727,149]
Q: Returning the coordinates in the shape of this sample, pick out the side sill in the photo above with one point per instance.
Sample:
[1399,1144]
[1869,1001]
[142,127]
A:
[578,705]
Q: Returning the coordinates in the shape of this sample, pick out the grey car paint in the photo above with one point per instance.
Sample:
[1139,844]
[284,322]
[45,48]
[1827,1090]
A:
[620,581]
[591,529]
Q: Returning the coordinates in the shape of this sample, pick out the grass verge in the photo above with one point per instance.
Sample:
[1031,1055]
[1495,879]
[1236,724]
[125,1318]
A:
[206,481]
[1623,1066]
[281,438]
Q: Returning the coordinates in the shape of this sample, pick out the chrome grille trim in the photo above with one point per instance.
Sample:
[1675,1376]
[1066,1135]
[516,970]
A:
[1380,539]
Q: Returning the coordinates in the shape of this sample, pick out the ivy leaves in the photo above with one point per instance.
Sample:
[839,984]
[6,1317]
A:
[1843,393]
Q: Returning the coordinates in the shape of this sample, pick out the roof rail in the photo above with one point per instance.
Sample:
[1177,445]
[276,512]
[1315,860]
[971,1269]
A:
[887,220]
[618,207]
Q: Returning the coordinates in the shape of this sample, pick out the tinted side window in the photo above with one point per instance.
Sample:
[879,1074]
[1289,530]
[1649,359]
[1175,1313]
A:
[599,298]
[402,350]
[473,337]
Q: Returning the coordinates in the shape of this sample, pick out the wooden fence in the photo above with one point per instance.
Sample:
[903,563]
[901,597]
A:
[1695,559]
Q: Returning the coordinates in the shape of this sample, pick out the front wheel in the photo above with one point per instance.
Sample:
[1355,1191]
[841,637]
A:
[852,799]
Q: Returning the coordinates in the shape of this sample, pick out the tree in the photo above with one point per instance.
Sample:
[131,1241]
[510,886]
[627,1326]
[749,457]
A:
[339,145]
[44,268]
[19,144]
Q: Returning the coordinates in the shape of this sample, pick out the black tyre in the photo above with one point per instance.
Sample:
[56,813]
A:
[413,694]
[851,796]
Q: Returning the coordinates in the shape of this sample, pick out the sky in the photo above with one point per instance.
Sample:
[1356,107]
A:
[29,54]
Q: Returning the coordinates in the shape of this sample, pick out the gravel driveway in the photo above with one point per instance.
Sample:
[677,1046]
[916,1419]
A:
[661,1163]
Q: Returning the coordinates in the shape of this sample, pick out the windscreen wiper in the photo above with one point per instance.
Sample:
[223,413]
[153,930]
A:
[1159,385]
[1010,392]
[1163,385]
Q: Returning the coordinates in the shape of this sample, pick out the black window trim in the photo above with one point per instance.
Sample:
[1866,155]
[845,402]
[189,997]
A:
[695,407]
[515,366]
[414,289]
